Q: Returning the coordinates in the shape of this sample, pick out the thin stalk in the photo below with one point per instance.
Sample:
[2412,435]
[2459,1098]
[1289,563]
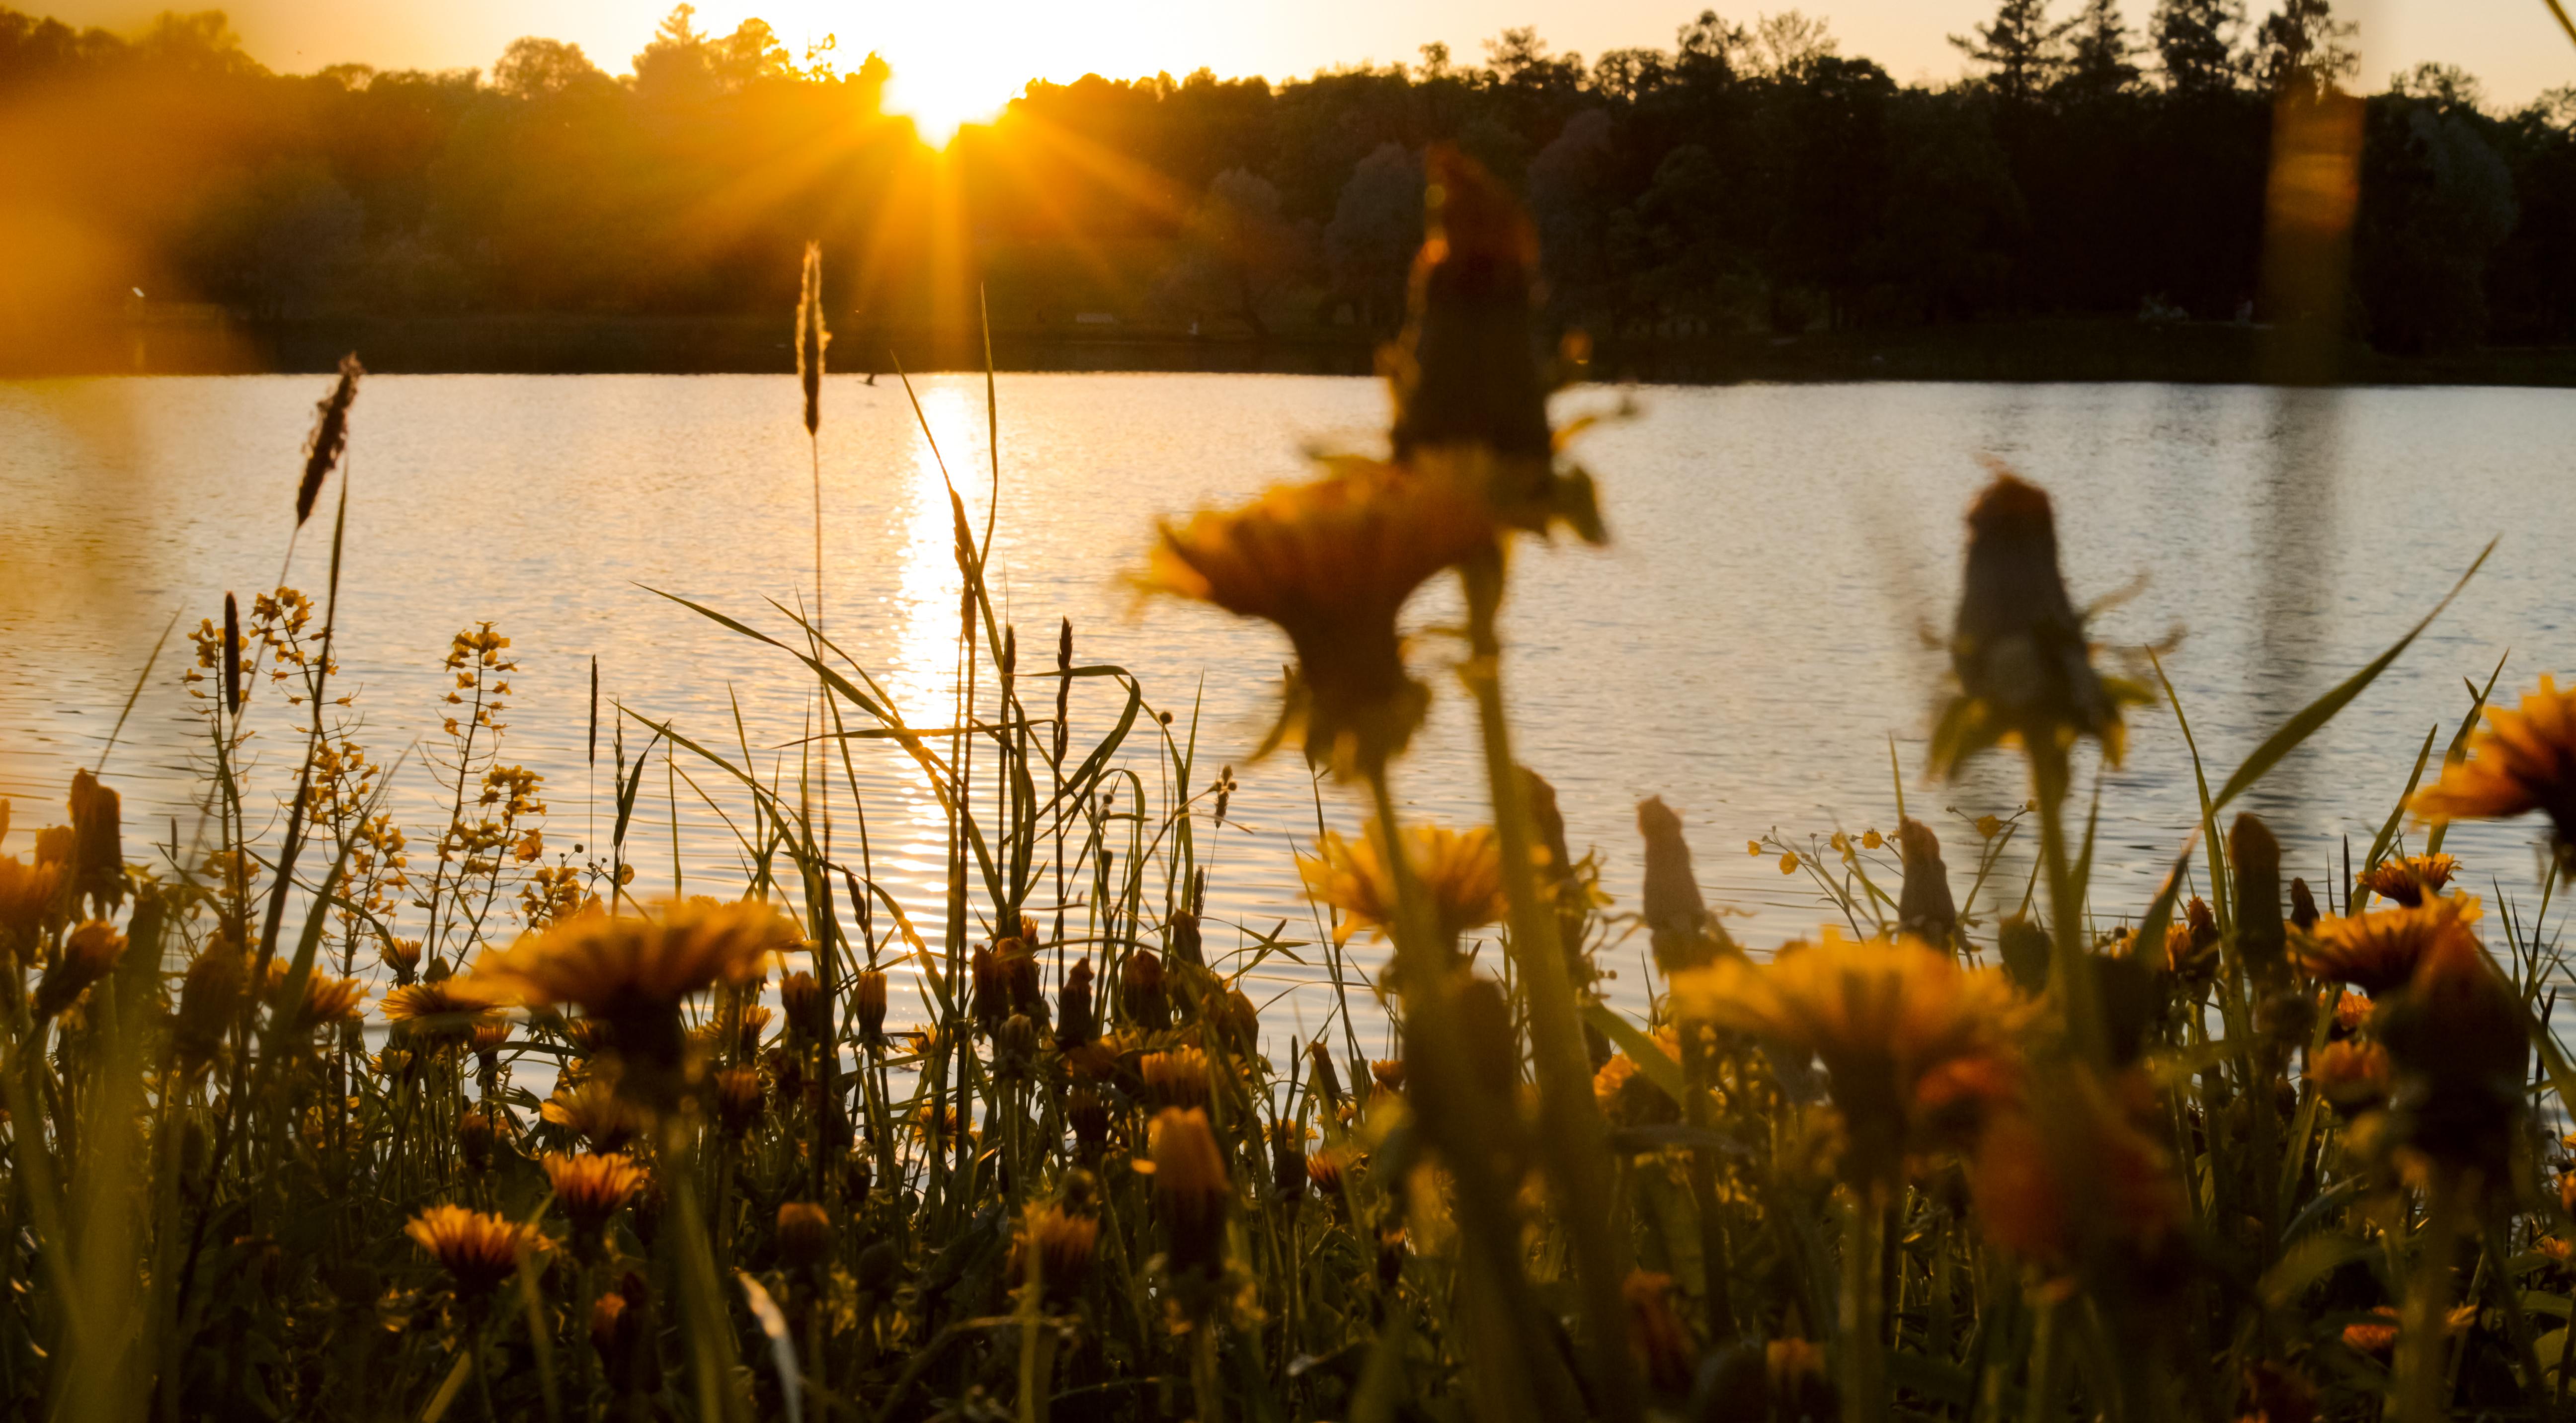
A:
[1576,1150]
[1862,1321]
[2416,1395]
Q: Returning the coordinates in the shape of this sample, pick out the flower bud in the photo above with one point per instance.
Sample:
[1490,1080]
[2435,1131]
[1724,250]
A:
[868,998]
[1140,986]
[1924,907]
[1190,1190]
[1075,1025]
[804,1234]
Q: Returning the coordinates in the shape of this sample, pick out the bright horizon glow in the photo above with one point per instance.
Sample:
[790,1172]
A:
[966,59]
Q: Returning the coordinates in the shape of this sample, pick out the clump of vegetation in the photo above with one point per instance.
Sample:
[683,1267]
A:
[1979,1156]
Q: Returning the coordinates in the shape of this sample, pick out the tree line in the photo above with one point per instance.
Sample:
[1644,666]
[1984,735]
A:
[1749,177]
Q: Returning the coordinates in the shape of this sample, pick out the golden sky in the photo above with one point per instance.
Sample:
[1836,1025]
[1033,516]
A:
[962,58]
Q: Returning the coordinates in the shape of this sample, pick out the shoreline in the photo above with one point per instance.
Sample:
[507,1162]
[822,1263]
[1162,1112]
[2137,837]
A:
[203,342]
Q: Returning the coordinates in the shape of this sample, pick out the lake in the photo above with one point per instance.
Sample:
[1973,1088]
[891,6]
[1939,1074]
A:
[1746,646]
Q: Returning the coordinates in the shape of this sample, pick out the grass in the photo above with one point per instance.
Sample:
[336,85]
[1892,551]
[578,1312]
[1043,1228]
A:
[2021,1155]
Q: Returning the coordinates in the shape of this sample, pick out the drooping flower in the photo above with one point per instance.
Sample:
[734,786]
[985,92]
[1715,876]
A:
[89,952]
[2024,670]
[1882,1015]
[1460,871]
[1332,562]
[477,1250]
[2520,761]
[2378,950]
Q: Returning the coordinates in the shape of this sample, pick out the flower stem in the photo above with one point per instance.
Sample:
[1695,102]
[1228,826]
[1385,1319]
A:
[2076,989]
[1863,1322]
[2421,1334]
[1575,1142]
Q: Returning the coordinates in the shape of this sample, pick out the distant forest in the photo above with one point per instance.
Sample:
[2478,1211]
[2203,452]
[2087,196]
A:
[1750,178]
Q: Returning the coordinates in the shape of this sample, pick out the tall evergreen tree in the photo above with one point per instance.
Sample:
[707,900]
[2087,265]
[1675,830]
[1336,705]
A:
[2305,48]
[2196,40]
[2101,57]
[2020,49]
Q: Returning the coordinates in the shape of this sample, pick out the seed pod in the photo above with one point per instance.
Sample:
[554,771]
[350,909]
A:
[1181,937]
[1190,1190]
[2261,941]
[858,1177]
[1016,1046]
[1673,908]
[1924,907]
[330,436]
[232,653]
[1140,986]
[1074,1023]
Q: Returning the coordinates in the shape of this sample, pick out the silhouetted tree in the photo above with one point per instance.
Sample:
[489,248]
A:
[2196,41]
[2019,49]
[2100,55]
[2303,48]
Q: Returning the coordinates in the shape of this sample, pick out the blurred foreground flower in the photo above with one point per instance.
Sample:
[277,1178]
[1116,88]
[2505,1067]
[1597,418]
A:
[2519,761]
[1460,871]
[633,973]
[2024,670]
[1332,562]
[1884,1017]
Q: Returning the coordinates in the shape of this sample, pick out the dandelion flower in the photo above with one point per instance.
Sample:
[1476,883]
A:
[444,1011]
[478,1251]
[1460,871]
[1883,1016]
[1332,562]
[2350,1074]
[591,1188]
[1190,1190]
[2378,950]
[87,955]
[2411,879]
[1059,1243]
[2457,1049]
[593,1113]
[2520,761]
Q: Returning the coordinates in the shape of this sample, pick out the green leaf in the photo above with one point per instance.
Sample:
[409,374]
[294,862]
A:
[2317,713]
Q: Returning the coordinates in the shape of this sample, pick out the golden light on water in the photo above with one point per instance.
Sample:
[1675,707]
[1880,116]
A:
[923,678]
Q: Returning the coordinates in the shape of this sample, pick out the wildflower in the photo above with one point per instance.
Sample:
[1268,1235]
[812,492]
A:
[1924,907]
[1789,862]
[1190,1190]
[1882,1015]
[326,1000]
[2024,672]
[2350,1074]
[1016,1046]
[588,1036]
[1288,1164]
[868,1004]
[804,1233]
[27,895]
[802,999]
[739,1099]
[402,956]
[1460,871]
[478,1251]
[490,1036]
[2457,1049]
[98,849]
[1140,990]
[1181,937]
[591,1111]
[1089,1118]
[2191,947]
[1058,1243]
[1484,1018]
[2352,1013]
[1332,562]
[1753,848]
[753,1024]
[1662,1342]
[1628,1097]
[1673,908]
[2411,879]
[1988,827]
[1178,1078]
[591,1188]
[2070,1172]
[474,1137]
[2254,857]
[87,955]
[444,1011]
[1233,1019]
[209,996]
[2303,906]
[1324,1171]
[633,972]
[1074,1025]
[2518,762]
[2378,950]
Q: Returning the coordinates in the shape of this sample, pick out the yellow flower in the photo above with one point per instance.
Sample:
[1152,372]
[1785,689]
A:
[88,953]
[1884,1016]
[1789,862]
[27,895]
[1059,1242]
[1988,827]
[1461,871]
[1190,1189]
[591,1111]
[442,1011]
[591,1188]
[2075,1149]
[477,1251]
[2378,950]
[2520,761]
[804,1232]
[1753,848]
[2350,1074]
[326,999]
[634,972]
[1178,1078]
[2410,880]
[1332,562]
[1871,840]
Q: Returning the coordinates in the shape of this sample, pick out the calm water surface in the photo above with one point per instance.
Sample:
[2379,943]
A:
[1745,648]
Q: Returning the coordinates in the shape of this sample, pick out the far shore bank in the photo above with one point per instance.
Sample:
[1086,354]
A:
[2049,350]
